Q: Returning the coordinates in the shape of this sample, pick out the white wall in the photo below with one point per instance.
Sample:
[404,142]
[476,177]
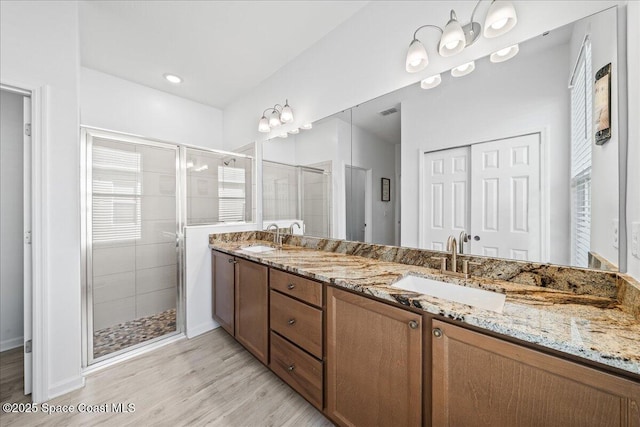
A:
[39,46]
[11,221]
[633,158]
[112,103]
[364,58]
[604,158]
[370,152]
[198,276]
[523,95]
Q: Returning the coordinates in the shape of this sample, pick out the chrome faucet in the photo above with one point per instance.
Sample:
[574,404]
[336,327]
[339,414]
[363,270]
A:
[291,226]
[452,247]
[277,240]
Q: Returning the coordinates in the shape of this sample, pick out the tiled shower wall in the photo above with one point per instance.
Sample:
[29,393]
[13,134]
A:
[134,223]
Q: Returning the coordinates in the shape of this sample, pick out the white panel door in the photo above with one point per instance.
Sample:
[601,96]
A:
[505,198]
[27,278]
[445,196]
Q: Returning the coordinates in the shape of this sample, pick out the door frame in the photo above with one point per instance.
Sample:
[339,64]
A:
[39,234]
[87,134]
[368,201]
[545,196]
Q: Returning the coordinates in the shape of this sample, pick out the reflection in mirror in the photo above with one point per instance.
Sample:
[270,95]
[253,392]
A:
[503,159]
[303,178]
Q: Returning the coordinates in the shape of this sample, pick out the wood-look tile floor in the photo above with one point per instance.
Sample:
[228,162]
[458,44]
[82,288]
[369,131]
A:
[208,380]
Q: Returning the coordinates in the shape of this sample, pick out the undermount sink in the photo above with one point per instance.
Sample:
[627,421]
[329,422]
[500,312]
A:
[258,249]
[480,298]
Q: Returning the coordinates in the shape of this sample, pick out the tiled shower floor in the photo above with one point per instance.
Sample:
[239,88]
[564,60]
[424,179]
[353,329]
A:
[114,338]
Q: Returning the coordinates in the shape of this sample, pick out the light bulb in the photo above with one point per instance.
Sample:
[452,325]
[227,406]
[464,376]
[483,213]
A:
[287,113]
[294,131]
[499,24]
[263,126]
[283,135]
[274,119]
[453,39]
[306,126]
[501,18]
[417,59]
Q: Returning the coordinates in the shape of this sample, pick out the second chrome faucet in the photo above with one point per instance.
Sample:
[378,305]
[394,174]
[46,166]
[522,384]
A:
[452,248]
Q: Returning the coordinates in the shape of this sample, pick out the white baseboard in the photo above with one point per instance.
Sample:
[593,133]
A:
[64,387]
[202,328]
[11,343]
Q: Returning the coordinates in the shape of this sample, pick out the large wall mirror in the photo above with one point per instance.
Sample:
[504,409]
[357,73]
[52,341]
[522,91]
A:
[503,158]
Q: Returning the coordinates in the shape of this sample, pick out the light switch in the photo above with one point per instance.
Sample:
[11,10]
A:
[635,239]
[615,232]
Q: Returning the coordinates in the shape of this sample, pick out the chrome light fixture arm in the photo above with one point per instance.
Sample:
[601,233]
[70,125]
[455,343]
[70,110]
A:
[415,33]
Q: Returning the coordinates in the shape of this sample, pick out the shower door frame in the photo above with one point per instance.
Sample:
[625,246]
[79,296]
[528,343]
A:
[87,136]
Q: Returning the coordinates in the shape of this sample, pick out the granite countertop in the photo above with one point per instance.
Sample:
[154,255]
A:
[588,326]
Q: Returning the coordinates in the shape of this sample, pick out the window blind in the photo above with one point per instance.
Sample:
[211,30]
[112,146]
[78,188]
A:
[116,191]
[581,134]
[231,193]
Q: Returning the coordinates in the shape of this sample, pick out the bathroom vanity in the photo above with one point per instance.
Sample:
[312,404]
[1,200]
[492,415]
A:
[327,319]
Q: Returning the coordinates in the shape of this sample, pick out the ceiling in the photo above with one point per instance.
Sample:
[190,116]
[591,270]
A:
[221,49]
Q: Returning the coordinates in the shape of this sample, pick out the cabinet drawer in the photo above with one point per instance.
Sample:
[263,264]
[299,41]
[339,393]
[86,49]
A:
[307,290]
[297,368]
[298,322]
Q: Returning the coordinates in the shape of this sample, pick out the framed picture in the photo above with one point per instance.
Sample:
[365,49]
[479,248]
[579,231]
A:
[602,105]
[386,189]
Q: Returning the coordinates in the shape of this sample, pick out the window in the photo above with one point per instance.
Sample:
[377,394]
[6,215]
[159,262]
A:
[581,134]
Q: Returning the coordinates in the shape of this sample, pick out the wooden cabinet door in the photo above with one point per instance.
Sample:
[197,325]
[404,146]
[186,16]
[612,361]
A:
[374,362]
[484,381]
[252,308]
[223,290]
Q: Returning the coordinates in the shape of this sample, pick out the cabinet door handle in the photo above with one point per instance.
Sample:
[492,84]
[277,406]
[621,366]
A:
[437,332]
[292,322]
[232,261]
[413,324]
[291,286]
[291,367]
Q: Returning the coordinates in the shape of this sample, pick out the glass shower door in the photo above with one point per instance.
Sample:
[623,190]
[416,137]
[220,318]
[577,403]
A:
[132,253]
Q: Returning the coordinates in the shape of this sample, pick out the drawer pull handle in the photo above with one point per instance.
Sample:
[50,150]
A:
[437,332]
[413,324]
[291,286]
[292,322]
[290,368]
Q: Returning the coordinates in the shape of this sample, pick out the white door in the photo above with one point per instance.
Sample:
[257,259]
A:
[356,180]
[445,196]
[505,198]
[27,312]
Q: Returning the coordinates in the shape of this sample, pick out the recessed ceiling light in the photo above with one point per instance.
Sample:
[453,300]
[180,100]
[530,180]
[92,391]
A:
[306,126]
[172,78]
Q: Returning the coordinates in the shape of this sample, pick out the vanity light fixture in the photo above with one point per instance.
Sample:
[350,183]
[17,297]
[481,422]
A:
[431,82]
[275,116]
[505,54]
[501,18]
[306,126]
[464,69]
[172,78]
